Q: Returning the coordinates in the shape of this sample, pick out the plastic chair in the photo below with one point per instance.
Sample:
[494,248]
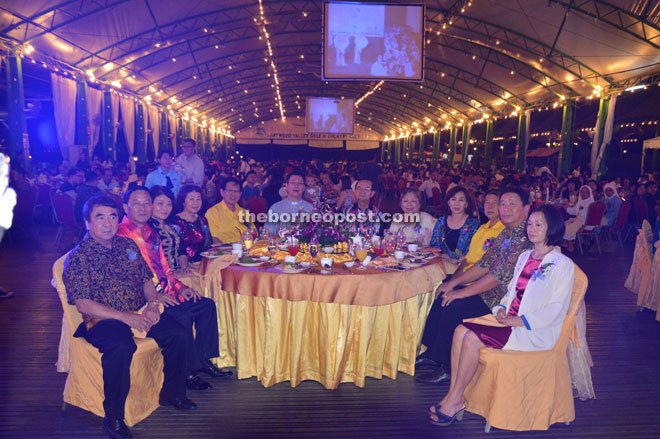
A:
[619,224]
[435,207]
[256,205]
[641,212]
[82,362]
[592,224]
[63,208]
[42,202]
[522,391]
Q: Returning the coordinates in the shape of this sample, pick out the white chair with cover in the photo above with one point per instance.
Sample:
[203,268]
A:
[640,270]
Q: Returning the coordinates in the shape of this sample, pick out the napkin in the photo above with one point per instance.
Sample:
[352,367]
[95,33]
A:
[487,320]
[383,262]
[260,248]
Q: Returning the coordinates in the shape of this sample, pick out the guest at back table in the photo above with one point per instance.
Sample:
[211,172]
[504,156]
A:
[533,311]
[84,192]
[419,231]
[164,175]
[161,215]
[475,291]
[250,187]
[347,194]
[580,210]
[612,203]
[192,228]
[108,281]
[453,232]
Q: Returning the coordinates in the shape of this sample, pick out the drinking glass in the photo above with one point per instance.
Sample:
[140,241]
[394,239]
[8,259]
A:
[378,249]
[293,249]
[272,247]
[400,240]
[247,239]
[389,244]
[361,254]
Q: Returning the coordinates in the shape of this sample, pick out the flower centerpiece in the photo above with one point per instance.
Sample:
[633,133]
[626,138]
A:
[325,232]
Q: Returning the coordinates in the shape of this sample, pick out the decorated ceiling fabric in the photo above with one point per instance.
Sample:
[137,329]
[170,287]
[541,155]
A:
[212,58]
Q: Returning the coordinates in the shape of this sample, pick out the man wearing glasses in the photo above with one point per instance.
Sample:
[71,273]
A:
[225,217]
[293,204]
[367,213]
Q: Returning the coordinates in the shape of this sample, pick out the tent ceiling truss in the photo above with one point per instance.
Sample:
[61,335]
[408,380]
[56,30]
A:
[621,19]
[449,89]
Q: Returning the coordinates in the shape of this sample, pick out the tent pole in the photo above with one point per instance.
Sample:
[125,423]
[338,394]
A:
[109,152]
[16,102]
[488,151]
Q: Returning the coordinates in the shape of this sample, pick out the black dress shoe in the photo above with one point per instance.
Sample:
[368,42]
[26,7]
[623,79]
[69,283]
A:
[424,362]
[211,370]
[194,382]
[178,403]
[116,428]
[435,377]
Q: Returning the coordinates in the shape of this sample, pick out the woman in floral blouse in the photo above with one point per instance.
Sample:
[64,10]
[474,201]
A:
[163,205]
[452,233]
[192,228]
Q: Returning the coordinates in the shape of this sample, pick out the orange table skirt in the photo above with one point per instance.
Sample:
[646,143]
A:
[278,340]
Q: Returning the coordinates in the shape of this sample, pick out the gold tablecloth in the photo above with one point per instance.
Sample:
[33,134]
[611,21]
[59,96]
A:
[327,328]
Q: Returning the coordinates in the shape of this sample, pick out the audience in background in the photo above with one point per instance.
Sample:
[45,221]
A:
[84,192]
[108,183]
[164,175]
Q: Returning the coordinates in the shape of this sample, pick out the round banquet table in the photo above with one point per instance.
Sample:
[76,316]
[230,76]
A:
[330,328]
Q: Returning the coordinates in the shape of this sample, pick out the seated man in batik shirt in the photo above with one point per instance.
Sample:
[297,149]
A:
[475,291]
[184,304]
[368,217]
[109,281]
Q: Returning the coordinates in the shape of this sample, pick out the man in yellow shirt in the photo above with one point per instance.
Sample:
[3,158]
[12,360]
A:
[224,217]
[485,234]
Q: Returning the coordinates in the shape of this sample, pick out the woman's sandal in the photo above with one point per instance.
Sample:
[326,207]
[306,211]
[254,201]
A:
[435,407]
[444,420]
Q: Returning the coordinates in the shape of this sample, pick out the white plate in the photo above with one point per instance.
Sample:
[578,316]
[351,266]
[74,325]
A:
[210,255]
[412,264]
[289,271]
[253,264]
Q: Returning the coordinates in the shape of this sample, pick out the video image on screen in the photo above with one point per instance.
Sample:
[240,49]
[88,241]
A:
[373,41]
[330,115]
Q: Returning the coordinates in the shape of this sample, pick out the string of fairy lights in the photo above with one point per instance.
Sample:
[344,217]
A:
[428,125]
[597,93]
[27,54]
[270,59]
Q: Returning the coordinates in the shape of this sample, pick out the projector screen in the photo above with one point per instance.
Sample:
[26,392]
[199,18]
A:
[330,115]
[370,41]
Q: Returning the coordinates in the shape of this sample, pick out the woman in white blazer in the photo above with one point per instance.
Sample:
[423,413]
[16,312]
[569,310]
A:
[531,313]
